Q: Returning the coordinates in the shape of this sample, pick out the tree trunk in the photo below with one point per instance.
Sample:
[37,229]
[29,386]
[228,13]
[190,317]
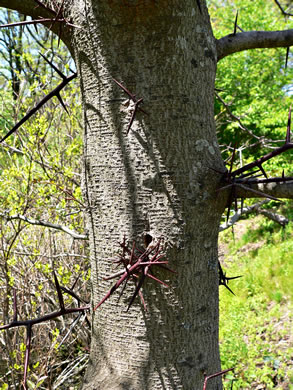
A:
[155,179]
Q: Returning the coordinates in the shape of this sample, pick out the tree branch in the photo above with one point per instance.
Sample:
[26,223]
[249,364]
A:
[31,8]
[239,213]
[282,9]
[252,40]
[38,222]
[27,7]
[276,189]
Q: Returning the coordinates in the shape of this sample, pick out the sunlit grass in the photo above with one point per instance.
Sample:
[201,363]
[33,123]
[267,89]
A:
[256,324]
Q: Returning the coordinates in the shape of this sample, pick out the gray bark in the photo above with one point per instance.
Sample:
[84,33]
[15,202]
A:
[279,190]
[251,40]
[154,180]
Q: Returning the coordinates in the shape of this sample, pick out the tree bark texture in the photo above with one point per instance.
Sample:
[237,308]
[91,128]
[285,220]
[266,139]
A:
[155,179]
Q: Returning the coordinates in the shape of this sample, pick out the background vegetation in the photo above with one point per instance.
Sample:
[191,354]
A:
[40,181]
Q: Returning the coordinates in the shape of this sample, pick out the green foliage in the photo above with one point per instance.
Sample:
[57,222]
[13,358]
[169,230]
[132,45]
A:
[254,83]
[256,324]
[40,172]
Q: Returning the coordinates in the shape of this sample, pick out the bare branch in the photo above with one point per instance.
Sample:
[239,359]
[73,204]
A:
[282,9]
[36,21]
[252,40]
[239,213]
[278,189]
[235,118]
[38,222]
[283,221]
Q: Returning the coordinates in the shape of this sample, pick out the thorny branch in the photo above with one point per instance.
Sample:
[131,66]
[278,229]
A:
[282,9]
[239,179]
[30,323]
[252,40]
[36,21]
[50,95]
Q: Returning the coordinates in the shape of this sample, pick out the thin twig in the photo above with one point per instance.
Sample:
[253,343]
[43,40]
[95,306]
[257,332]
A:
[50,225]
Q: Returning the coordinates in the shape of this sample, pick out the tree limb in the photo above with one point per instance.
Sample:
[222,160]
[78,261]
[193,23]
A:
[283,221]
[252,40]
[31,8]
[239,213]
[27,7]
[275,189]
[282,9]
[38,222]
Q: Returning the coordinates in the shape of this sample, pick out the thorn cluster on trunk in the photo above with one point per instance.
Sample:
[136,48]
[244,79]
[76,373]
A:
[136,102]
[137,267]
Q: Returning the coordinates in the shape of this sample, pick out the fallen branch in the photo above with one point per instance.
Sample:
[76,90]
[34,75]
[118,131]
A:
[239,213]
[280,219]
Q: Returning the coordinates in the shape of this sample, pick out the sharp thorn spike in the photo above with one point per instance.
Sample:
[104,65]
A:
[59,292]
[235,23]
[263,171]
[53,66]
[61,102]
[199,6]
[287,57]
[138,287]
[288,134]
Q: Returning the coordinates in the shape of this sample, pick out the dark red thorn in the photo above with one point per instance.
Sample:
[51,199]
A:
[248,174]
[132,97]
[215,375]
[154,262]
[59,292]
[46,7]
[230,201]
[133,114]
[58,13]
[142,301]
[138,287]
[15,311]
[122,290]
[73,294]
[156,279]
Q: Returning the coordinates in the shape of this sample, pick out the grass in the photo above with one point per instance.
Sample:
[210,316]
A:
[256,324]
